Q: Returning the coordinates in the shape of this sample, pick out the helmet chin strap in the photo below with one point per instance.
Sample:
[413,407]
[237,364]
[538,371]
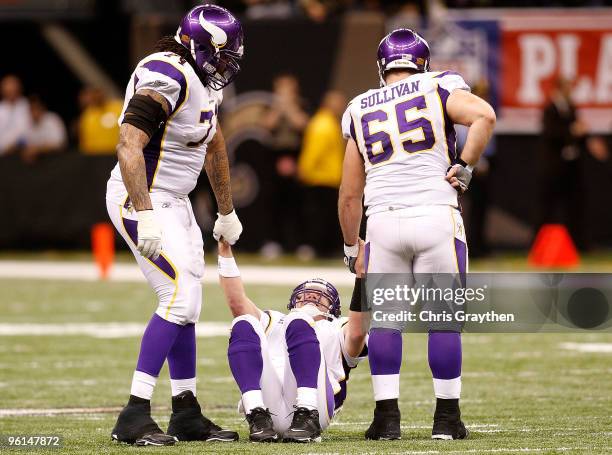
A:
[313,311]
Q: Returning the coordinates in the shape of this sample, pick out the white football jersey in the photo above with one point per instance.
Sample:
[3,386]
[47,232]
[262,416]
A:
[175,155]
[406,140]
[331,340]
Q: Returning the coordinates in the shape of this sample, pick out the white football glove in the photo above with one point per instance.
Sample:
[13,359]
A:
[227,226]
[350,256]
[149,235]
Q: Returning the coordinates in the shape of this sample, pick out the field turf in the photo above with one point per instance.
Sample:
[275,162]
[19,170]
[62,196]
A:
[522,393]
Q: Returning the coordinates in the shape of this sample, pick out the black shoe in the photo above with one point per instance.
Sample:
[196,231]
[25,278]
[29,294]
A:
[386,423]
[188,424]
[447,421]
[305,426]
[135,426]
[261,428]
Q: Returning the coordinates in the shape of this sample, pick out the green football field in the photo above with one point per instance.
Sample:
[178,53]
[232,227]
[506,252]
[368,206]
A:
[525,393]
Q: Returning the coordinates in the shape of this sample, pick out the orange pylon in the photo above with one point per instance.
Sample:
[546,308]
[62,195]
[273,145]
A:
[103,247]
[553,247]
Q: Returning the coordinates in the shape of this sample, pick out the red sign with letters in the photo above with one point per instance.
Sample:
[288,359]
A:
[538,47]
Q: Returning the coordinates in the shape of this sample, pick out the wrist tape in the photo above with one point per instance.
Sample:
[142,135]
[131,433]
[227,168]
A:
[227,267]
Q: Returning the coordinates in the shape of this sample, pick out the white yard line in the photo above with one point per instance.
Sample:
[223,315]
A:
[17,412]
[588,347]
[495,450]
[55,411]
[130,273]
[102,330]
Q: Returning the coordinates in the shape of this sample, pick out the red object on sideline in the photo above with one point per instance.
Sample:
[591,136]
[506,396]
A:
[553,247]
[103,247]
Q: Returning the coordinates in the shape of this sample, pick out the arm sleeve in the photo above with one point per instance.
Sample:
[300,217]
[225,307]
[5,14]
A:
[449,81]
[348,125]
[163,77]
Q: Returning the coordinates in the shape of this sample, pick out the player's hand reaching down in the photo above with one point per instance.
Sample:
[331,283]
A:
[459,177]
[149,235]
[227,227]
[354,258]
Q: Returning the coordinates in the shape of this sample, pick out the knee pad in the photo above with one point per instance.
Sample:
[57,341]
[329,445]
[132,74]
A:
[243,338]
[180,302]
[253,322]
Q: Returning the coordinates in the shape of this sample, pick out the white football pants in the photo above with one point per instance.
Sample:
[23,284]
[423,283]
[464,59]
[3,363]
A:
[279,390]
[176,275]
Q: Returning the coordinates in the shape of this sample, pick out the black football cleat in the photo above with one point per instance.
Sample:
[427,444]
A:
[386,425]
[188,424]
[305,426]
[261,428]
[447,421]
[136,426]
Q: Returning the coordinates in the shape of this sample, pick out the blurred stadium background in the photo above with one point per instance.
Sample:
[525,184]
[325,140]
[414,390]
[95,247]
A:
[68,340]
[546,70]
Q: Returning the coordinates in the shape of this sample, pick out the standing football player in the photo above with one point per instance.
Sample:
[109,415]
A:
[401,150]
[169,131]
[292,369]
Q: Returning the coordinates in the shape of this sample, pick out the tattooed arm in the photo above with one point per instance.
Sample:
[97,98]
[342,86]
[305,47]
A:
[131,160]
[132,140]
[228,226]
[217,169]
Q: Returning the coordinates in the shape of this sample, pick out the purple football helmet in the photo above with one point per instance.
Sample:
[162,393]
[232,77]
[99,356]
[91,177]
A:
[321,288]
[402,48]
[214,38]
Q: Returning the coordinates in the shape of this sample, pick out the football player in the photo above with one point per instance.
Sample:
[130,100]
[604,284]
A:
[169,131]
[401,151]
[292,368]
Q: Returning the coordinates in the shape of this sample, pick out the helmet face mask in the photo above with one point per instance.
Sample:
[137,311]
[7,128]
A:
[402,49]
[214,38]
[319,294]
[222,68]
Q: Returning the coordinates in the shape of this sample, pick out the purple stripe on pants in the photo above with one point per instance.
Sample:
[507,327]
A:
[131,227]
[461,252]
[329,394]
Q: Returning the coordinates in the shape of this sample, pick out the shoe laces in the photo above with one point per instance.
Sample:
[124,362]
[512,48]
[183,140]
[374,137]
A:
[300,415]
[259,416]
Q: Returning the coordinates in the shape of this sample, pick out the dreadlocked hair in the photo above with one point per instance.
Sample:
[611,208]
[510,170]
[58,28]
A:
[168,44]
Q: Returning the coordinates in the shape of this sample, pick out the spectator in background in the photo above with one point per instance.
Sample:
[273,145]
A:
[287,117]
[14,115]
[98,130]
[320,171]
[46,133]
[560,163]
[286,120]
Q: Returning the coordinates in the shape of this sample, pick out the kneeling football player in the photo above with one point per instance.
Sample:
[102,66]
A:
[291,369]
